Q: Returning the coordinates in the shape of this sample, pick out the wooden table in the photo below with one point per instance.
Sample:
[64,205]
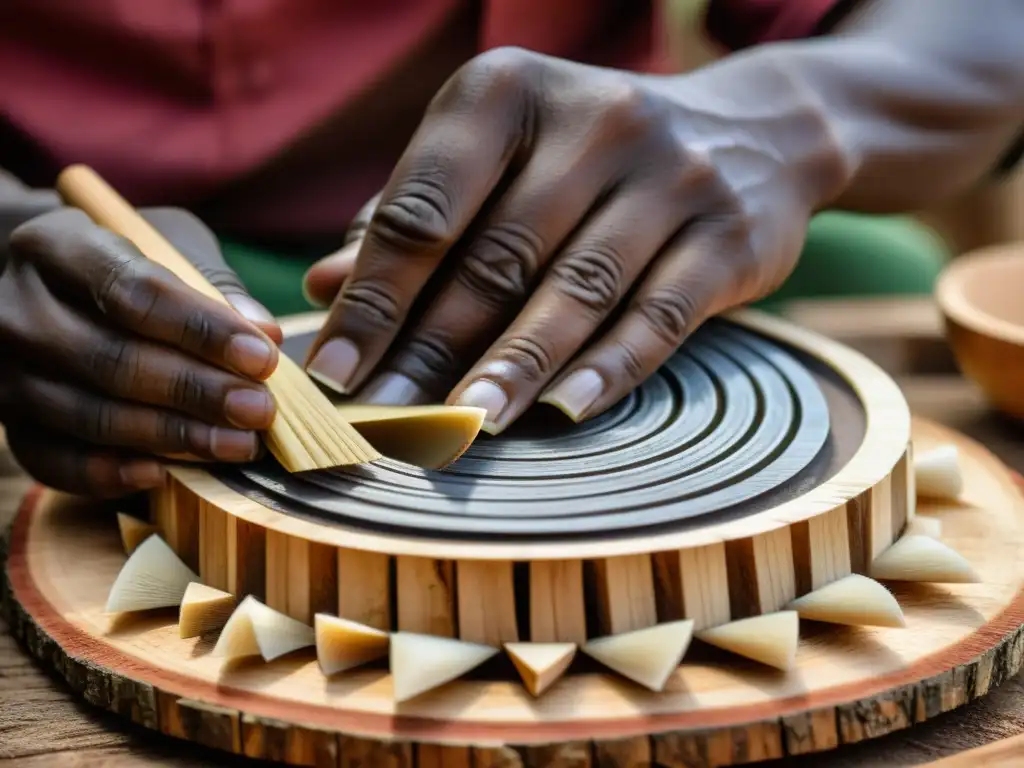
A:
[43,726]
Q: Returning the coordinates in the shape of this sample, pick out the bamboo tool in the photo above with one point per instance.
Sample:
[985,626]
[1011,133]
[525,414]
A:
[308,432]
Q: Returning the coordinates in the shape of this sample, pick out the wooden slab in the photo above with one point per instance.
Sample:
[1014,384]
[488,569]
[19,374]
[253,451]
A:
[849,684]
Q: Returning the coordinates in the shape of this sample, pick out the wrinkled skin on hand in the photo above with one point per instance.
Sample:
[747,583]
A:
[555,231]
[111,362]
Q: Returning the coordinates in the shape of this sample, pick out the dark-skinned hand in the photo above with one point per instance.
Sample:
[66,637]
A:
[111,362]
[555,231]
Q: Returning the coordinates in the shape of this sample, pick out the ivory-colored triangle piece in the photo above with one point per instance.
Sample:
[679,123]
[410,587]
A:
[133,531]
[924,526]
[152,577]
[255,629]
[770,639]
[238,637]
[203,609]
[540,664]
[342,644]
[922,558]
[853,600]
[427,436]
[646,656]
[937,473]
[421,663]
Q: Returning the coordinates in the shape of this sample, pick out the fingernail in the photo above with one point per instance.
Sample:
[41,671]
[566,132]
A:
[575,394]
[489,396]
[335,364]
[393,389]
[142,475]
[249,308]
[249,408]
[249,355]
[233,444]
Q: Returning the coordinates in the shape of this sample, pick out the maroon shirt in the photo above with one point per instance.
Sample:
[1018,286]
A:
[281,117]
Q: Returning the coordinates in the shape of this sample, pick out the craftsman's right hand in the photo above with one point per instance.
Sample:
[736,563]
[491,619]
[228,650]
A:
[111,362]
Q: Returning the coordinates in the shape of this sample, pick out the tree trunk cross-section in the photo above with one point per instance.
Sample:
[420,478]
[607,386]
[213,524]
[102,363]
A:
[960,644]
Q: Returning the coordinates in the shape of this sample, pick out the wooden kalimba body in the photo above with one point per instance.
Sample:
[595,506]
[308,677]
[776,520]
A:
[762,471]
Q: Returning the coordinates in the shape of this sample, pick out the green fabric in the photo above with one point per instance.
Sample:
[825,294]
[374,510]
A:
[273,278]
[851,255]
[844,255]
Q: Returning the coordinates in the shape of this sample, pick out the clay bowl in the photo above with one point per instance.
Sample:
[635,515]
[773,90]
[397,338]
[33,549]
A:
[981,296]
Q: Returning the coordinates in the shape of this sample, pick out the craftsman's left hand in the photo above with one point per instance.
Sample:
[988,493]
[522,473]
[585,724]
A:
[555,231]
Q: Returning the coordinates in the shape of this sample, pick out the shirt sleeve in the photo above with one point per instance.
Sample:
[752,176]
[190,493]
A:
[737,24]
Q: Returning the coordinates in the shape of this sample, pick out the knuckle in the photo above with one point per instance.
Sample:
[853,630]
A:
[417,216]
[374,303]
[694,175]
[741,235]
[592,276]
[29,239]
[186,389]
[668,311]
[173,436]
[499,68]
[631,362]
[628,110]
[530,357]
[197,332]
[121,286]
[429,359]
[38,237]
[96,419]
[115,360]
[361,221]
[500,266]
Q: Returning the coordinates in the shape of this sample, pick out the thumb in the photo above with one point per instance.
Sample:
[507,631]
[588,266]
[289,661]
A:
[198,244]
[324,279]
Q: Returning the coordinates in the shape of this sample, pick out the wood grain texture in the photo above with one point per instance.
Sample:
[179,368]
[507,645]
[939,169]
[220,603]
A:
[961,642]
[882,447]
[45,725]
[711,573]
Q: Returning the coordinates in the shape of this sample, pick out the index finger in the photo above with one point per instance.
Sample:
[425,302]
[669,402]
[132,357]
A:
[453,163]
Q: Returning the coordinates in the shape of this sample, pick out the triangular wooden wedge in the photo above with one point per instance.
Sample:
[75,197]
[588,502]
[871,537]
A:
[921,525]
[421,663]
[922,558]
[646,656]
[427,436]
[133,531]
[255,629]
[342,644]
[203,609]
[937,473]
[540,664]
[770,639]
[853,600]
[153,577]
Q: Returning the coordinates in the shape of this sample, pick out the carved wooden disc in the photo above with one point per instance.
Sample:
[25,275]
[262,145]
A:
[849,684]
[730,425]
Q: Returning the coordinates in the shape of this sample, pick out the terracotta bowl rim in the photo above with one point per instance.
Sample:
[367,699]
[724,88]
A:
[958,307]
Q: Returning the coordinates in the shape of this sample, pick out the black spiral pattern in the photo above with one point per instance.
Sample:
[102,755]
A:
[732,418]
